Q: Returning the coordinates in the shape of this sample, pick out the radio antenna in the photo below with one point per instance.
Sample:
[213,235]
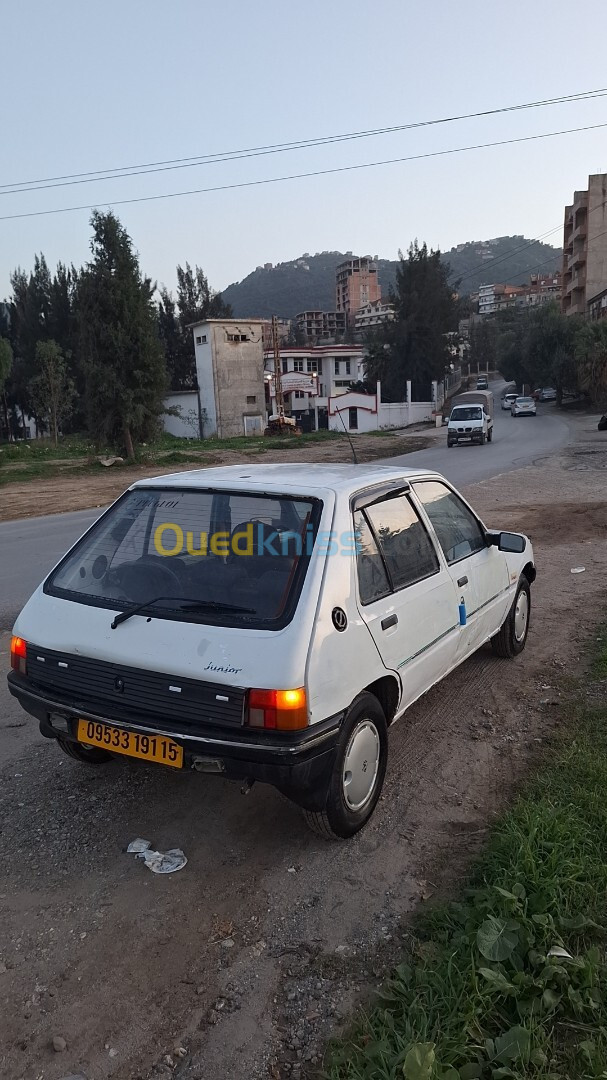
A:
[348,437]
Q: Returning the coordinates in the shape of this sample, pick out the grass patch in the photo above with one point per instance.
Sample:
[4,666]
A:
[42,450]
[511,980]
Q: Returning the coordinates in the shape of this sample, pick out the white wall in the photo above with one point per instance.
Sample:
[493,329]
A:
[374,414]
[403,413]
[184,426]
[204,372]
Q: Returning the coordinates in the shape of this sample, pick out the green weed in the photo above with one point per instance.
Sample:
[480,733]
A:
[510,981]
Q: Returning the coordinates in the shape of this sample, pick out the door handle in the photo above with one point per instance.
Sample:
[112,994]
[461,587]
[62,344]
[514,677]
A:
[391,620]
[462,581]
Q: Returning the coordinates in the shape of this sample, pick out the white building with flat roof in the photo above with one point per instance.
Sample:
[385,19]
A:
[230,373]
[331,369]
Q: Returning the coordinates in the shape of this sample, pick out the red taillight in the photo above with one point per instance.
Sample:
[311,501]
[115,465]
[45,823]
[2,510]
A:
[18,655]
[279,710]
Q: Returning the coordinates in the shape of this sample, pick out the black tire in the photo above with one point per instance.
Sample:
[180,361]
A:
[490,435]
[511,639]
[482,439]
[339,819]
[87,755]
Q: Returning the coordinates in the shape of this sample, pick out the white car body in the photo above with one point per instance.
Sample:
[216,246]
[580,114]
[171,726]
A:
[523,406]
[508,400]
[335,646]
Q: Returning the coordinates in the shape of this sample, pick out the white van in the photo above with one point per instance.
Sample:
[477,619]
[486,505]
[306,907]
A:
[267,622]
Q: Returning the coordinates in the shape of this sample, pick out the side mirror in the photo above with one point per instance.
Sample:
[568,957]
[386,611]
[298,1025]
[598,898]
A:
[506,541]
[514,542]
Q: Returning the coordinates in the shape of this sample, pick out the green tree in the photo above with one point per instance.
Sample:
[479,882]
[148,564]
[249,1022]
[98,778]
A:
[6,363]
[122,355]
[51,389]
[536,347]
[414,345]
[196,301]
[483,345]
[591,360]
[42,309]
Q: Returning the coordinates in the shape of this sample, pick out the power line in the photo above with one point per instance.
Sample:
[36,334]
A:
[516,251]
[303,176]
[70,179]
[528,244]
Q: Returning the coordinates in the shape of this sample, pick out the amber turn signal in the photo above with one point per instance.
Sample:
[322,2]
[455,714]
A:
[278,710]
[18,654]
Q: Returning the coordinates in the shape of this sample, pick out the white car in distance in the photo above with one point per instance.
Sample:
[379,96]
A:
[523,406]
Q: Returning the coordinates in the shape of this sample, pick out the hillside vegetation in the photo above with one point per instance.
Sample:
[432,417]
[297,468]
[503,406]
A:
[309,281]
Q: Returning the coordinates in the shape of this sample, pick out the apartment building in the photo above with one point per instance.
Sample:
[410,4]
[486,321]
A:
[372,315]
[328,371]
[542,289]
[597,306]
[356,285]
[492,298]
[585,247]
[284,331]
[230,371]
[321,325]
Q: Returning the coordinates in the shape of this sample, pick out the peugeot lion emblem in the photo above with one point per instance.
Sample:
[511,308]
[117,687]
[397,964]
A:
[119,685]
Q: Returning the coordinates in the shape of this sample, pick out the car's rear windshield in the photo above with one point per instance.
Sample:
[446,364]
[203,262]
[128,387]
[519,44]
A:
[525,401]
[234,557]
[467,412]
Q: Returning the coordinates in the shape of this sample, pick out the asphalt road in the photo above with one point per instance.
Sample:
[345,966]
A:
[31,547]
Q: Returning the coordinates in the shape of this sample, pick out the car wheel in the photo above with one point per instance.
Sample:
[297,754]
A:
[511,639]
[482,439]
[89,755]
[490,435]
[358,772]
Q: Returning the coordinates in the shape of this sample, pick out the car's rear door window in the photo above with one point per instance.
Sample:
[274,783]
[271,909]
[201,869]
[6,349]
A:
[394,548]
[459,532]
[373,581]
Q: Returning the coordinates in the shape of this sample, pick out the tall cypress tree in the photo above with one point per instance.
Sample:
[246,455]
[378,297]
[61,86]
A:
[121,353]
[414,346]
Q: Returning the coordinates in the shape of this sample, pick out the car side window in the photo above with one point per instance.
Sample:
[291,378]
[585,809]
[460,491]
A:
[372,577]
[458,531]
[407,549]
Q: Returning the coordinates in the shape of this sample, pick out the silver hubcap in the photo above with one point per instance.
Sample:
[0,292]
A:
[361,765]
[521,616]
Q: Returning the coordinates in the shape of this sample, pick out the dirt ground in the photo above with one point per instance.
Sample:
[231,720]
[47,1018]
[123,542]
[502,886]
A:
[72,491]
[240,966]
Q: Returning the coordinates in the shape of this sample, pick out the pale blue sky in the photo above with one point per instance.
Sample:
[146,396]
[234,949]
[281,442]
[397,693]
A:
[88,86]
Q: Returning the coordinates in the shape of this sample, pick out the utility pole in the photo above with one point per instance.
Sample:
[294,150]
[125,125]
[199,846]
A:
[278,394]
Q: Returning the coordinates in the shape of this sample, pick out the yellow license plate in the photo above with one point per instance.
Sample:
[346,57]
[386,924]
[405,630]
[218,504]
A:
[131,743]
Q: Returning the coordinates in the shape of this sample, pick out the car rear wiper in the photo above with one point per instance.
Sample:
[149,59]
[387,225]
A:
[188,605]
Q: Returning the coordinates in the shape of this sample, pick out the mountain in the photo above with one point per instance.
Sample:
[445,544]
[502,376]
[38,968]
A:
[308,283]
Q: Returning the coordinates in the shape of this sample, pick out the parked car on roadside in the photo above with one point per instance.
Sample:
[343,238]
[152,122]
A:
[508,400]
[267,622]
[546,393]
[523,406]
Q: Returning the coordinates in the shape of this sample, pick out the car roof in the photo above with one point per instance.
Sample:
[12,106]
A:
[302,477]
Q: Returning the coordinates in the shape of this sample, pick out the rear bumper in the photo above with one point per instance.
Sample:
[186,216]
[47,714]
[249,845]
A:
[298,763]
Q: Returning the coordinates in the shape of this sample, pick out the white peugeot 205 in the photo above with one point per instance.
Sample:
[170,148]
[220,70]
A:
[267,623]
